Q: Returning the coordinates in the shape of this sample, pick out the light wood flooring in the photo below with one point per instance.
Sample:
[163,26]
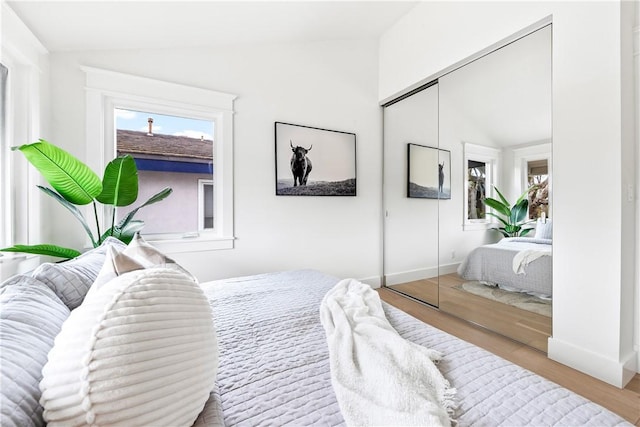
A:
[625,402]
[522,325]
[525,326]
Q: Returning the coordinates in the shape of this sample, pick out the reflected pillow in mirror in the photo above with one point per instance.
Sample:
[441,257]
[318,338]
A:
[544,230]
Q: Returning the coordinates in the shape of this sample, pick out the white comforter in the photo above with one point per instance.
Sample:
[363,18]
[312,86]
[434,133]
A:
[274,364]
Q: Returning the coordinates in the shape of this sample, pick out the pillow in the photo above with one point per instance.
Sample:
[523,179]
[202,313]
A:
[137,255]
[149,256]
[544,230]
[115,264]
[30,319]
[141,350]
[70,280]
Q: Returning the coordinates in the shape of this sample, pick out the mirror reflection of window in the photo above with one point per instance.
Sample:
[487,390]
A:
[538,180]
[175,152]
[477,178]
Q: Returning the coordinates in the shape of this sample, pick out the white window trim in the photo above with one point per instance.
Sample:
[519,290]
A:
[522,156]
[201,207]
[491,157]
[24,56]
[107,90]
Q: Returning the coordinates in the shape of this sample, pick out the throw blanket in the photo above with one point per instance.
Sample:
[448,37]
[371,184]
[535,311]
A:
[380,378]
[523,258]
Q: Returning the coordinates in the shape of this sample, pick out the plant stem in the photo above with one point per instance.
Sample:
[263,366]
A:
[95,212]
[113,219]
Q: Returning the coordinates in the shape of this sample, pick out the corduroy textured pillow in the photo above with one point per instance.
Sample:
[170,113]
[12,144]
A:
[30,318]
[141,350]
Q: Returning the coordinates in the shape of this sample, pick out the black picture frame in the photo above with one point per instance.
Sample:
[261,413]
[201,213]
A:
[313,161]
[428,172]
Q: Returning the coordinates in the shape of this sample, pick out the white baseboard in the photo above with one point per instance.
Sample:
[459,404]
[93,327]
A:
[418,274]
[608,370]
[375,281]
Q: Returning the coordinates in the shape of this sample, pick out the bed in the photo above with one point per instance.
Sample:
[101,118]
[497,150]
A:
[274,365]
[515,264]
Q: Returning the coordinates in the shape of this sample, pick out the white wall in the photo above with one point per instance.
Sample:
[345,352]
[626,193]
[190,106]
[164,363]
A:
[591,296]
[330,85]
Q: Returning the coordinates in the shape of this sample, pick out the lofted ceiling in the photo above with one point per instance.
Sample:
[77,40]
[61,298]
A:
[94,25]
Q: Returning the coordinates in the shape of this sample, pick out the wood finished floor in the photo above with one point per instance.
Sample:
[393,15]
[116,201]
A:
[624,402]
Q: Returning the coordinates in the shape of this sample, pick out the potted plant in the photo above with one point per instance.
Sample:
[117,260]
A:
[75,184]
[513,217]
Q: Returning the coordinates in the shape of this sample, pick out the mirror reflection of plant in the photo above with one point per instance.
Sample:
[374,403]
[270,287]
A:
[75,184]
[514,217]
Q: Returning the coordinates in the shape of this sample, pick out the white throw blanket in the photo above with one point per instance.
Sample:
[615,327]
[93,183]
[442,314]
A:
[380,378]
[523,258]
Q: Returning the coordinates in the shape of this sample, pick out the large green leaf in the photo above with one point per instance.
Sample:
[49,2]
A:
[504,200]
[519,211]
[161,195]
[525,231]
[72,208]
[71,178]
[501,219]
[498,206]
[120,182]
[51,250]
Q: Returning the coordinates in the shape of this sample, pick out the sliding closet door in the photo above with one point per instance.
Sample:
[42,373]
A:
[410,194]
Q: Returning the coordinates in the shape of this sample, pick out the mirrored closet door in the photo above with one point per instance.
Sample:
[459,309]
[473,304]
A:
[492,140]
[410,194]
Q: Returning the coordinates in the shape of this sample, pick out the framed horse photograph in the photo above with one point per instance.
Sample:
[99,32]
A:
[314,162]
[428,172]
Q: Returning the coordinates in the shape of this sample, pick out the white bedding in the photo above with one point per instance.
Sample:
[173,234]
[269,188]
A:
[274,364]
[516,264]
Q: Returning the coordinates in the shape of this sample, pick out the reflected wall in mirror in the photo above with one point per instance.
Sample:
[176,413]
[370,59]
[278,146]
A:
[411,223]
[495,119]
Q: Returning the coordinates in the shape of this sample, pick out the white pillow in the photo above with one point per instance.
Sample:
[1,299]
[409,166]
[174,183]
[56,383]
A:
[116,264]
[141,350]
[138,254]
[544,230]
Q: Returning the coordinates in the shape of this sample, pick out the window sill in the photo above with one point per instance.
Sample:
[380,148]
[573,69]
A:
[17,263]
[472,226]
[191,244]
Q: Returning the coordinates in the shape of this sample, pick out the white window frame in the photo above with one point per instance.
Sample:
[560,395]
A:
[107,90]
[491,157]
[521,158]
[201,207]
[20,223]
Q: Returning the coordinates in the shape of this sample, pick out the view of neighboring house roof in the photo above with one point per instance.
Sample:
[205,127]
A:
[168,147]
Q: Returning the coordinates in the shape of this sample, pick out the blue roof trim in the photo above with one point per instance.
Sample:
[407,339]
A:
[172,166]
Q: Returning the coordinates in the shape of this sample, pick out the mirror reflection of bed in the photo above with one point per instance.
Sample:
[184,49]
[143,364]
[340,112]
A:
[506,287]
[498,109]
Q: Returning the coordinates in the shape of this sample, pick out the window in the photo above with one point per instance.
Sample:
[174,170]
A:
[205,204]
[202,217]
[533,166]
[21,114]
[476,182]
[538,181]
[169,151]
[481,164]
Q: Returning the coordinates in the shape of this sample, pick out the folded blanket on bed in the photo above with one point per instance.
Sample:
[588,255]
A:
[523,258]
[378,377]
